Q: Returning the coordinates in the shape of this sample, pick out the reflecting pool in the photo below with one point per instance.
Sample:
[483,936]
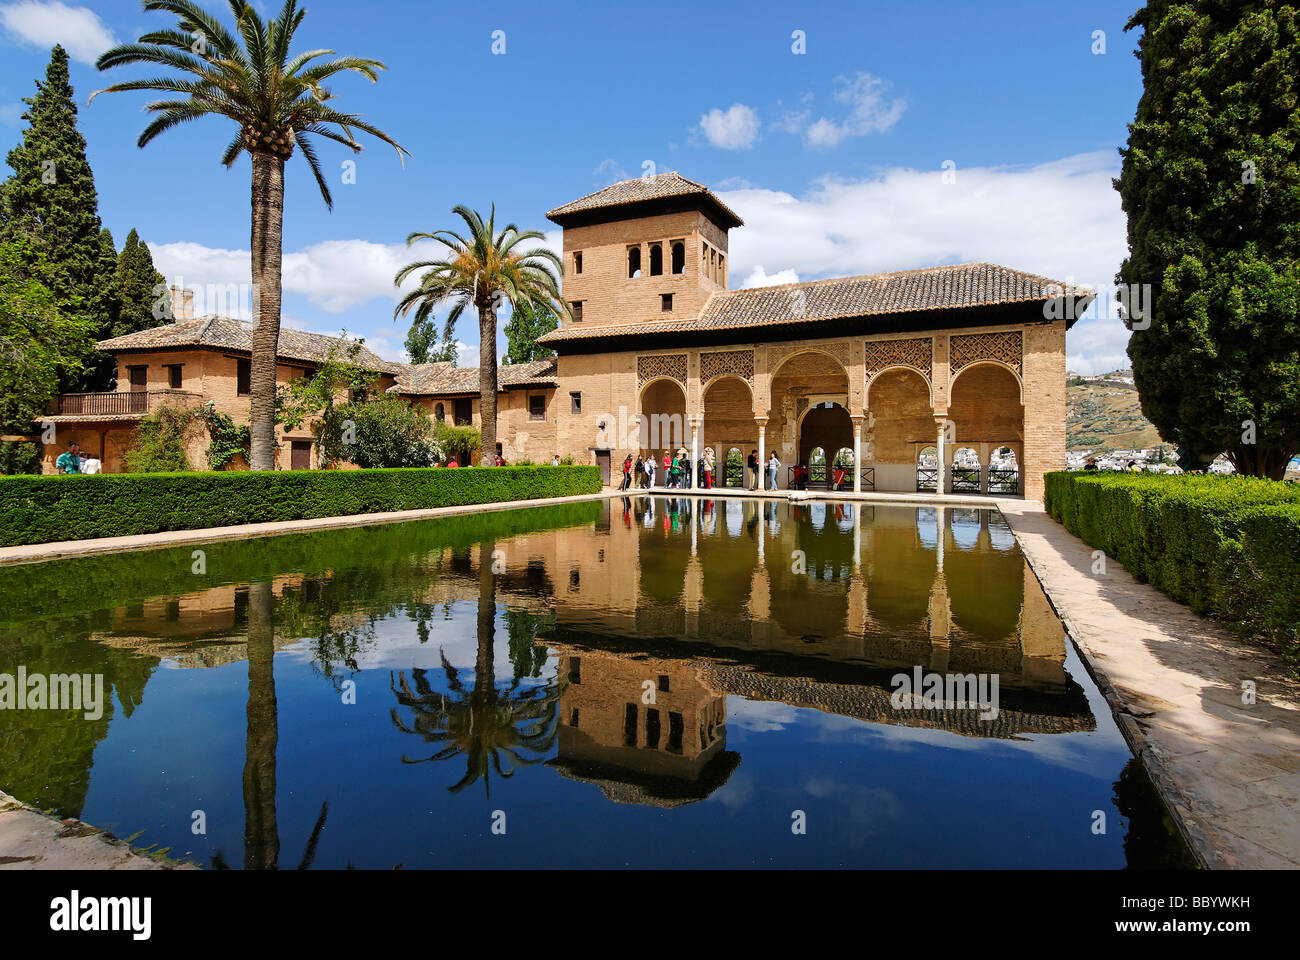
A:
[650,681]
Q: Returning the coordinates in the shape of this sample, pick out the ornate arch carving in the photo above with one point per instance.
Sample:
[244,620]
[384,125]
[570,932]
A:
[656,365]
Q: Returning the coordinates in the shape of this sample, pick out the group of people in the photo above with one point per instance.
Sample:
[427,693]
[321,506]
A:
[74,462]
[679,470]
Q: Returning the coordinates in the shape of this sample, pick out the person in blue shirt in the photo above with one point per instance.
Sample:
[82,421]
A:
[69,462]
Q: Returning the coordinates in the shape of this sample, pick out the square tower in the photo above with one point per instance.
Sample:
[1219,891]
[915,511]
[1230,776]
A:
[652,248]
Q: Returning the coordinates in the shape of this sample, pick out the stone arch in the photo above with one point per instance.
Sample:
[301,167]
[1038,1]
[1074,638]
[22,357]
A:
[801,382]
[986,404]
[901,418]
[727,404]
[877,374]
[990,362]
[662,411]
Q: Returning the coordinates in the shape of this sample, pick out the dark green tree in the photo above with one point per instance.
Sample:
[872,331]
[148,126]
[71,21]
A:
[50,201]
[1211,186]
[139,287]
[527,322]
[424,346]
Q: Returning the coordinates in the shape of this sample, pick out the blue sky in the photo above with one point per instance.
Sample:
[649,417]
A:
[835,157]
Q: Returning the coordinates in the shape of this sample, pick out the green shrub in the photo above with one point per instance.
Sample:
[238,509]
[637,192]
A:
[382,431]
[50,508]
[1228,547]
[160,441]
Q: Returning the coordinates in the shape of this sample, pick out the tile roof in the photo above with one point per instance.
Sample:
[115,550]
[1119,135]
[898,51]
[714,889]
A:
[225,333]
[441,379]
[932,288]
[639,190]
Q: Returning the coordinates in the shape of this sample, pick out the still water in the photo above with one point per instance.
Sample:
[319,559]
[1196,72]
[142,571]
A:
[650,681]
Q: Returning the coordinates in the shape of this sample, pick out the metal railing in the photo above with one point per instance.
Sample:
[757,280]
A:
[927,479]
[116,403]
[965,480]
[1004,481]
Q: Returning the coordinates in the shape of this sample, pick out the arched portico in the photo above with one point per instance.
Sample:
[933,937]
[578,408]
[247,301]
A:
[809,408]
[662,411]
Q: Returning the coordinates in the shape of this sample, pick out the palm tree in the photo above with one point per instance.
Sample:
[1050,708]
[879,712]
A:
[277,102]
[482,270]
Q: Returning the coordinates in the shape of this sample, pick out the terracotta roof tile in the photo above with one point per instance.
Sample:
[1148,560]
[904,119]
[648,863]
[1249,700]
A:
[225,333]
[638,190]
[932,288]
[442,379]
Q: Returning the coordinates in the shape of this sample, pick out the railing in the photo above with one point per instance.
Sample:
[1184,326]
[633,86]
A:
[927,478]
[965,480]
[868,478]
[116,403]
[1004,481]
[817,473]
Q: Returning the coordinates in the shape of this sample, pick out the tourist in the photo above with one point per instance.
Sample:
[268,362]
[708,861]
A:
[452,462]
[753,469]
[668,469]
[640,470]
[708,468]
[627,472]
[773,466]
[555,460]
[650,472]
[675,471]
[69,462]
[1091,464]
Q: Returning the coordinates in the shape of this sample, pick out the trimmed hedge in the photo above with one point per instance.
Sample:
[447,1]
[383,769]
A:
[50,508]
[1228,547]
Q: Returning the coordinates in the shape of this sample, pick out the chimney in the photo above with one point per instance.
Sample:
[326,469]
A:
[182,303]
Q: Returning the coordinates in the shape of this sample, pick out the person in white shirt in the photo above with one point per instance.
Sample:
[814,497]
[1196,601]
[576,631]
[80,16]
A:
[773,466]
[91,465]
[650,472]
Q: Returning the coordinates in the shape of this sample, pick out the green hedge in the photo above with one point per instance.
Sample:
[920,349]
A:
[45,509]
[1228,547]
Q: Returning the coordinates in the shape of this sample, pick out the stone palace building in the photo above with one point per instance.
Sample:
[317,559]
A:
[894,372]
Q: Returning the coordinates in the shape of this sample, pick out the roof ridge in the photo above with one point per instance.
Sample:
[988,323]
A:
[886,274]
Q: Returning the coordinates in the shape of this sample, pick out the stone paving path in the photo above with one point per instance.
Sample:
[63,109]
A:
[1229,772]
[31,840]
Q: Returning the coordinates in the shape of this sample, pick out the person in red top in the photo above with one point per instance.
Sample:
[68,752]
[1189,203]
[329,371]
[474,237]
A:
[452,463]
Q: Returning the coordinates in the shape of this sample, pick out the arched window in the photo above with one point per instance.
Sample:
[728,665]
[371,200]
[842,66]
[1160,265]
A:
[817,465]
[656,259]
[439,413]
[634,261]
[679,257]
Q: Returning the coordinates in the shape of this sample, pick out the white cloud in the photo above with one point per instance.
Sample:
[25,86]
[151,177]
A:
[869,112]
[1060,219]
[44,23]
[758,277]
[735,128]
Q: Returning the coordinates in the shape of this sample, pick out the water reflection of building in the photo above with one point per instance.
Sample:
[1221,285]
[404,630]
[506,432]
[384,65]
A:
[667,752]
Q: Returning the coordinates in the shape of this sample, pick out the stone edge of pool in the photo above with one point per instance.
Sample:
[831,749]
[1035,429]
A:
[32,840]
[1228,774]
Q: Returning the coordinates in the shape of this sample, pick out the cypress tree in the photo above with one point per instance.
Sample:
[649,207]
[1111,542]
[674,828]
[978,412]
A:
[1211,186]
[50,200]
[138,287]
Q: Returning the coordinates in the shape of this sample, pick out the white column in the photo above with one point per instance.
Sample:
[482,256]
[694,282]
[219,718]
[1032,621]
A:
[857,534]
[939,483]
[695,451]
[762,458]
[857,464]
[761,507]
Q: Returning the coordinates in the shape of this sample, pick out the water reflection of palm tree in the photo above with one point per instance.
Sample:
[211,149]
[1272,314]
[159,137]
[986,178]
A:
[261,831]
[494,729]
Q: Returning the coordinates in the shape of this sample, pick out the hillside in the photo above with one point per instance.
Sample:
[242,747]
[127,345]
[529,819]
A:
[1104,413]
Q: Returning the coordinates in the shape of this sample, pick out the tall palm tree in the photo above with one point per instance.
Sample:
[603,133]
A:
[277,101]
[482,270]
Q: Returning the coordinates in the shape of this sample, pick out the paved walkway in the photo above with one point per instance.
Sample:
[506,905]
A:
[1228,772]
[31,840]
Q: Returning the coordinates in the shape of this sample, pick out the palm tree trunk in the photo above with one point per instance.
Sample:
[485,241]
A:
[487,382]
[261,831]
[268,224]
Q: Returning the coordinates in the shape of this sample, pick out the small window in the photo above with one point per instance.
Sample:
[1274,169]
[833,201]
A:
[663,683]
[722,269]
[244,377]
[464,411]
[679,257]
[577,261]
[439,413]
[666,302]
[139,377]
[633,262]
[656,259]
[174,379]
[536,407]
[577,310]
[575,403]
[713,265]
